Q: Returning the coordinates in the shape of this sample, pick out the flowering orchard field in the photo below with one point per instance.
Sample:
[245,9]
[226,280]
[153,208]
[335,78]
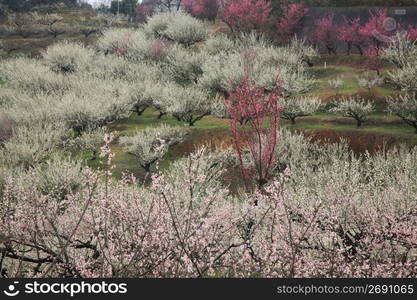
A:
[300,209]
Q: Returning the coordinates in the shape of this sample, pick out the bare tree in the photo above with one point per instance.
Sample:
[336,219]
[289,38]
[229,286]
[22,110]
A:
[8,47]
[164,5]
[51,21]
[23,25]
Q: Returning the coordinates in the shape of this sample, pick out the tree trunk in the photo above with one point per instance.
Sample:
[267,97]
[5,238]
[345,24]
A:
[359,49]
[147,167]
[139,112]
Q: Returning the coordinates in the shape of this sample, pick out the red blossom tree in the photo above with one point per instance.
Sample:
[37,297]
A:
[378,30]
[123,44]
[159,49]
[246,15]
[143,11]
[326,33]
[292,15]
[412,33]
[374,62]
[262,110]
[350,33]
[204,9]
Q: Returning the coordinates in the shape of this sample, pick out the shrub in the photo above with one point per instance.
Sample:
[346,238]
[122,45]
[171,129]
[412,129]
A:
[358,109]
[152,143]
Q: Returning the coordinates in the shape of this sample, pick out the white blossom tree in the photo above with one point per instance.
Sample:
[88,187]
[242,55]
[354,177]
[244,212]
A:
[187,105]
[403,54]
[368,82]
[337,84]
[152,143]
[177,27]
[405,107]
[295,107]
[356,108]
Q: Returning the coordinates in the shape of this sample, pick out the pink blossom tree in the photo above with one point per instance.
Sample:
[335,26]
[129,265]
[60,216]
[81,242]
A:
[143,11]
[350,33]
[186,224]
[246,15]
[374,62]
[205,9]
[378,30]
[412,33]
[326,33]
[292,15]
[261,110]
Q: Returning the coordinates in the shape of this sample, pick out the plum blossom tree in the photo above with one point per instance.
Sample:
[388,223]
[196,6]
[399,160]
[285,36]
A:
[373,62]
[405,107]
[412,33]
[177,27]
[350,33]
[188,105]
[295,107]
[358,108]
[152,143]
[204,9]
[378,30]
[403,54]
[23,25]
[369,82]
[246,15]
[326,33]
[259,133]
[337,84]
[288,23]
[143,11]
[186,223]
